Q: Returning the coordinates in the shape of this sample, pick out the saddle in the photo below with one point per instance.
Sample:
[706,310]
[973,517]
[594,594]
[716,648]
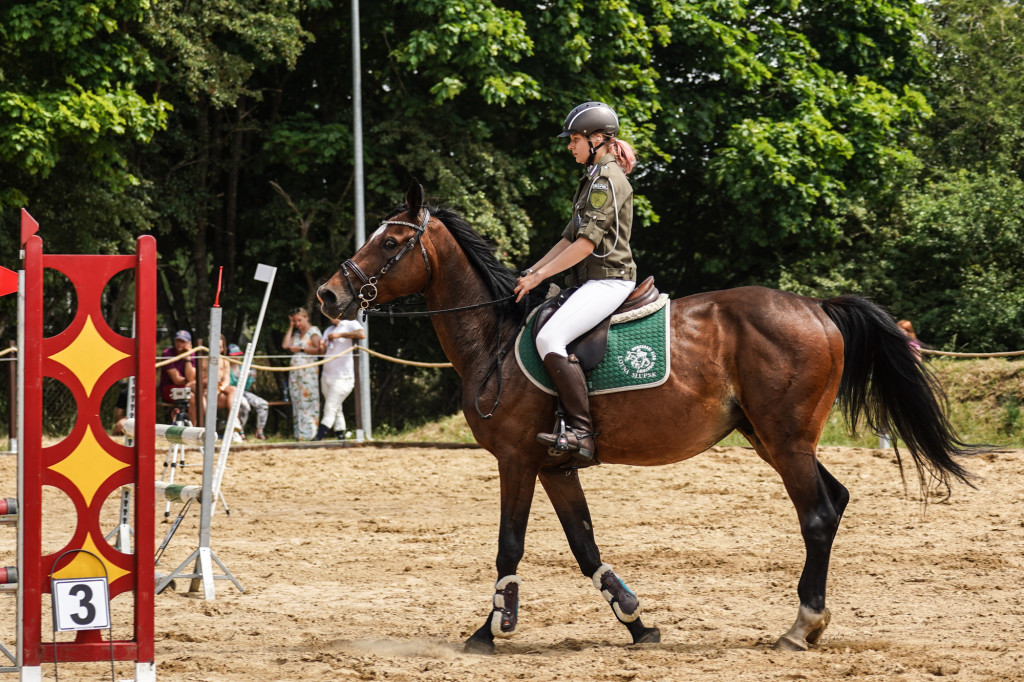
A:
[590,347]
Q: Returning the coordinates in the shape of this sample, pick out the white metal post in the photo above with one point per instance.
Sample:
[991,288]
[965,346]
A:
[363,393]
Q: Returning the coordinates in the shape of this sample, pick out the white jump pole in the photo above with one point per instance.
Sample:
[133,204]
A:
[264,273]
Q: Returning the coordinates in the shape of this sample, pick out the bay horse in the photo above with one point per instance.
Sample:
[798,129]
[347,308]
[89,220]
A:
[766,363]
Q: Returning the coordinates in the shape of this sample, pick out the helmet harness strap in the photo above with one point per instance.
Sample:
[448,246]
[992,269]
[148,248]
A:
[593,150]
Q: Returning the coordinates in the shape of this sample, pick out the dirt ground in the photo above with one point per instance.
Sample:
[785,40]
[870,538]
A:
[368,563]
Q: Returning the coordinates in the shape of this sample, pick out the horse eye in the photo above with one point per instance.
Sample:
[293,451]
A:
[390,243]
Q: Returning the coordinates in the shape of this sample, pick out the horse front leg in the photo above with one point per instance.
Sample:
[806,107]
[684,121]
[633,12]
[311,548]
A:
[566,494]
[518,481]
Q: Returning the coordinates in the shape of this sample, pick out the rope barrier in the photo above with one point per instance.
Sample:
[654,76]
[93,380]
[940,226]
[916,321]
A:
[411,363]
[951,354]
[183,355]
[382,356]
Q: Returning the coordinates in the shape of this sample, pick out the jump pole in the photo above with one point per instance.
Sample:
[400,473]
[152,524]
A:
[264,273]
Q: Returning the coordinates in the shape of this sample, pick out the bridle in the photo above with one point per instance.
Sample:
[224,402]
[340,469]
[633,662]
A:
[367,293]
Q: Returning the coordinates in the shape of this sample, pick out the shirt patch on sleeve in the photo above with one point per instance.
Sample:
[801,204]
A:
[598,197]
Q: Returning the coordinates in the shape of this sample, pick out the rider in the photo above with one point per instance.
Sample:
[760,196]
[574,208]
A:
[595,249]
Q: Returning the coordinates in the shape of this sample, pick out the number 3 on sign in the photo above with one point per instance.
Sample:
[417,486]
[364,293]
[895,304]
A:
[80,604]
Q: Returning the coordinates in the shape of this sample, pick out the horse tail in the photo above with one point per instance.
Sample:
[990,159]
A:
[897,394]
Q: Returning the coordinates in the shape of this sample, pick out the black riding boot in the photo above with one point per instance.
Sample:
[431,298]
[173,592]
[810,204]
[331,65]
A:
[571,384]
[321,432]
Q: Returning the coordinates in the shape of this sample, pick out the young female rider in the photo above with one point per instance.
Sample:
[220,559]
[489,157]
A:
[595,249]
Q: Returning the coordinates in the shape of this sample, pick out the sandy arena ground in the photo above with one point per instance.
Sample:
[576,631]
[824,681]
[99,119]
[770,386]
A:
[375,564]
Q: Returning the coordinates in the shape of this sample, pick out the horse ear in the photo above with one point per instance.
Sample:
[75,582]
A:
[414,196]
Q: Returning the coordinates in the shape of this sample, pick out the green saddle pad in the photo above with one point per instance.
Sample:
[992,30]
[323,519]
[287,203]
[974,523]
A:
[637,357]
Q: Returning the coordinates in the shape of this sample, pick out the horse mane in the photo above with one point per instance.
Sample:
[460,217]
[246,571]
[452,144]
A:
[500,280]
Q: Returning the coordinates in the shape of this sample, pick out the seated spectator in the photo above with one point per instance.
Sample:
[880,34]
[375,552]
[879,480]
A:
[225,391]
[181,373]
[250,400]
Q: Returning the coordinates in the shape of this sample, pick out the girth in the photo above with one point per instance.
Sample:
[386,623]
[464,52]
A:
[591,346]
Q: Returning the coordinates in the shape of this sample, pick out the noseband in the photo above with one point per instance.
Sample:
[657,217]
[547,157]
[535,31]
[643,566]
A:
[367,293]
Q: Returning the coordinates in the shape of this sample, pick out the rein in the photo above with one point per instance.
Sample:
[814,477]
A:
[390,313]
[499,356]
[367,294]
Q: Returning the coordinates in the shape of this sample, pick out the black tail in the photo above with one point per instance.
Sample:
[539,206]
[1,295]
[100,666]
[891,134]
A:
[883,380]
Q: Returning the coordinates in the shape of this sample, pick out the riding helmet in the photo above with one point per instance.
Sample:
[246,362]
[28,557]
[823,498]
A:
[589,118]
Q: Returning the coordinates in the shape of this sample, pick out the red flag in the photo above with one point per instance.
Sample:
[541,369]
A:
[8,281]
[29,227]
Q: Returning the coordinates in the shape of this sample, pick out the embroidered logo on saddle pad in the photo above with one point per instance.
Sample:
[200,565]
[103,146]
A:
[637,356]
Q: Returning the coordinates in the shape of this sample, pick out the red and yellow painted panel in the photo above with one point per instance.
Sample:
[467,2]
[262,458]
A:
[89,358]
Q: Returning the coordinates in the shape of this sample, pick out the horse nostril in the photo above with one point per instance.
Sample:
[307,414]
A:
[326,296]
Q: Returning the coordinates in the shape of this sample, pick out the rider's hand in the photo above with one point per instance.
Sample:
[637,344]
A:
[526,284]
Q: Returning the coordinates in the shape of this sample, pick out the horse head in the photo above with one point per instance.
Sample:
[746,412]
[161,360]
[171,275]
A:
[380,272]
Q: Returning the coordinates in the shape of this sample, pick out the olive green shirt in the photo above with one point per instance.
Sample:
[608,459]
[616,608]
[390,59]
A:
[603,213]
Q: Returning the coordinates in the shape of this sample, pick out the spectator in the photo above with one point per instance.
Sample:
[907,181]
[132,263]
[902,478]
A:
[303,340]
[337,379]
[250,401]
[181,373]
[225,391]
[120,409]
[908,328]
[884,437]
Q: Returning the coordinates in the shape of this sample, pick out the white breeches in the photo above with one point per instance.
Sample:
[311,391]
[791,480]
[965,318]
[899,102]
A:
[591,303]
[335,390]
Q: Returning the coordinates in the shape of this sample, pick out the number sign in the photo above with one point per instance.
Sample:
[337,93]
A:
[81,604]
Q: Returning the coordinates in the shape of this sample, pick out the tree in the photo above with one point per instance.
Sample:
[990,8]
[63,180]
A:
[73,106]
[941,247]
[775,114]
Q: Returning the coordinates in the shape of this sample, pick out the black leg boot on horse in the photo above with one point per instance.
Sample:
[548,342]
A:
[578,436]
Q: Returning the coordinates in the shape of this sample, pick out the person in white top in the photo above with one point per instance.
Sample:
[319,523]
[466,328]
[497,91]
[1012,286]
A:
[337,377]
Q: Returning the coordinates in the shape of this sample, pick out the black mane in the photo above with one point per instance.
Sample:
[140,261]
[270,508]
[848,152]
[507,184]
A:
[500,280]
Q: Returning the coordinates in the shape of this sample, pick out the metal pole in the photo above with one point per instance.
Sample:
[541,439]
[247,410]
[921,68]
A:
[360,217]
[204,566]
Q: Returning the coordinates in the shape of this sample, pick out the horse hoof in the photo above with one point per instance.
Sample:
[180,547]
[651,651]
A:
[814,635]
[478,647]
[648,636]
[787,643]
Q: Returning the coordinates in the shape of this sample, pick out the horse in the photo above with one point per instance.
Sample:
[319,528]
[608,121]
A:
[766,363]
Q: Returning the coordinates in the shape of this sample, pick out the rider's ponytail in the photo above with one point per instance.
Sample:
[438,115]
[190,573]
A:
[624,155]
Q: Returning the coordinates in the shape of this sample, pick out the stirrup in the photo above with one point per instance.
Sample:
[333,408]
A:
[559,443]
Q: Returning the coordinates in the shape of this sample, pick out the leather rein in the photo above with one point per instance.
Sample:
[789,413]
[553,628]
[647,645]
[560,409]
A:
[367,294]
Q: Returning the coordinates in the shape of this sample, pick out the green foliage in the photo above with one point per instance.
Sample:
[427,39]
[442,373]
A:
[72,83]
[782,112]
[978,47]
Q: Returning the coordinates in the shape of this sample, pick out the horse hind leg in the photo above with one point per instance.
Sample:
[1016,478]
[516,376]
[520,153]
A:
[820,501]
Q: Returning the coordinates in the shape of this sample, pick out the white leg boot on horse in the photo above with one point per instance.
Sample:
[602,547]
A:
[571,384]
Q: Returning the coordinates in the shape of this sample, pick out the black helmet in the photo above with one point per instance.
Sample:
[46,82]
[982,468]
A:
[589,118]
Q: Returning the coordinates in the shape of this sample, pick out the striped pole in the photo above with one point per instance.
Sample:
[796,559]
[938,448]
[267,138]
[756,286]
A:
[175,492]
[172,434]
